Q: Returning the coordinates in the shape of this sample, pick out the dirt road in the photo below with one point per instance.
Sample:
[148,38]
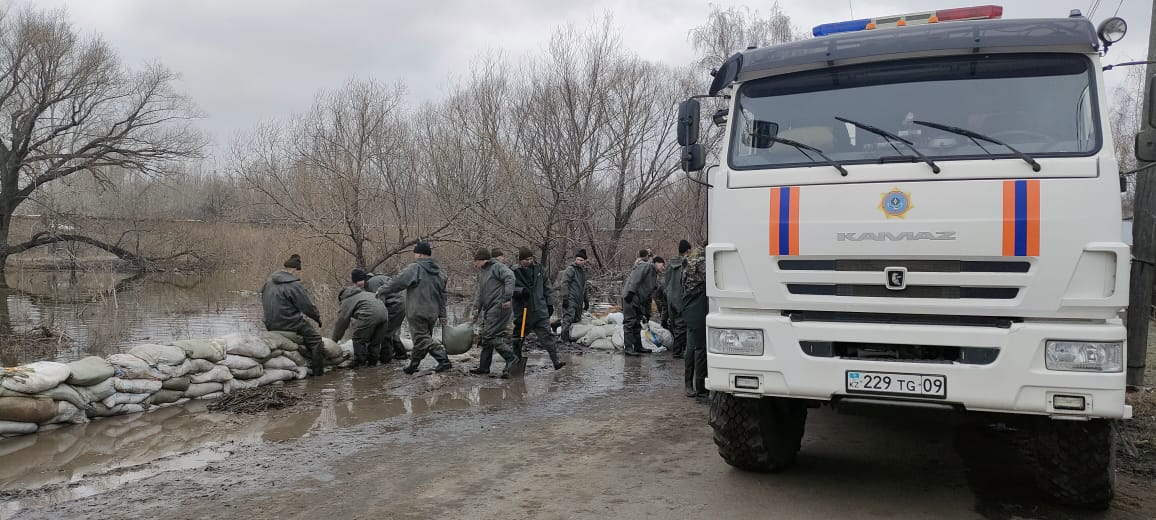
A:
[606,438]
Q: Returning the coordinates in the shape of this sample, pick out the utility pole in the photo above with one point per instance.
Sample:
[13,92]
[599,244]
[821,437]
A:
[1143,242]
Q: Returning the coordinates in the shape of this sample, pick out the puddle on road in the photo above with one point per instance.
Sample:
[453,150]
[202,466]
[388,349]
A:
[86,459]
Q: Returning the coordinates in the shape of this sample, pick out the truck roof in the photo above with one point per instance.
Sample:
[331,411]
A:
[1074,34]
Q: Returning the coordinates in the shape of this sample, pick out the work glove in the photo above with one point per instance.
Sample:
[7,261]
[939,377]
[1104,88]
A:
[646,319]
[565,304]
[319,325]
[506,305]
[442,321]
[587,306]
[550,309]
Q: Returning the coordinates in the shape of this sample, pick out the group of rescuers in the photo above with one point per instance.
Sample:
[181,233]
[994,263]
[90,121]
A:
[375,306]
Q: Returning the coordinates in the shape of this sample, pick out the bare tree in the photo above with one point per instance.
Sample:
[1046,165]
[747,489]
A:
[1125,118]
[730,30]
[73,107]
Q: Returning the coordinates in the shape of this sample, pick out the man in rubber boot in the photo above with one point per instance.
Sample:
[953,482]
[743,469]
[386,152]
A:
[572,293]
[674,299]
[636,299]
[286,305]
[694,310]
[369,319]
[392,348]
[425,306]
[531,298]
[493,306]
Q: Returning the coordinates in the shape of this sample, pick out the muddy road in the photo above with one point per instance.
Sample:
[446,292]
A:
[607,437]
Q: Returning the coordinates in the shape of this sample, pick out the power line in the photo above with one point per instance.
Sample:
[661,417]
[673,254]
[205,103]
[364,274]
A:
[1092,10]
[851,7]
[1118,6]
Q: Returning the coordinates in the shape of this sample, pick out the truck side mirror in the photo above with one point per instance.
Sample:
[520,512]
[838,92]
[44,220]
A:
[693,158]
[688,115]
[1146,146]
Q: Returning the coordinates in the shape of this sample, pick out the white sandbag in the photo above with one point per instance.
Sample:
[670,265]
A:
[164,397]
[296,358]
[250,345]
[280,363]
[300,373]
[617,338]
[124,398]
[18,428]
[36,377]
[136,386]
[131,367]
[66,393]
[332,350]
[89,371]
[596,333]
[662,337]
[602,344]
[615,317]
[214,395]
[130,408]
[171,371]
[212,350]
[279,342]
[240,362]
[68,413]
[200,366]
[159,354]
[202,389]
[233,385]
[251,373]
[96,393]
[579,330]
[274,375]
[218,374]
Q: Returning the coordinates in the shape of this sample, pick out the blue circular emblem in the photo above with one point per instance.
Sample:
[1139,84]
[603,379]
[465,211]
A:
[895,203]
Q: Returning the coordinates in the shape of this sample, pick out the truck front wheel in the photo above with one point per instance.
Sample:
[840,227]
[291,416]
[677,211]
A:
[1076,461]
[757,434]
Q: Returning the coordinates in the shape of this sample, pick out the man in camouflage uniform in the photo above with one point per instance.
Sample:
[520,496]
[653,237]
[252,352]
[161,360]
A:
[673,286]
[636,298]
[494,305]
[532,298]
[694,310]
[572,292]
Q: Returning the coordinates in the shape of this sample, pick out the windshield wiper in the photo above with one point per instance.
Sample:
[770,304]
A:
[975,135]
[892,137]
[803,148]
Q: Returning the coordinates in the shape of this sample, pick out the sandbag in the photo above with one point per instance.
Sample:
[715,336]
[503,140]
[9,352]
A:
[296,358]
[66,393]
[239,384]
[279,341]
[579,330]
[602,344]
[96,393]
[617,338]
[291,336]
[164,397]
[124,398]
[274,375]
[200,366]
[37,377]
[89,371]
[214,395]
[159,354]
[179,384]
[280,363]
[616,317]
[131,367]
[68,413]
[332,350]
[136,386]
[207,349]
[458,339]
[201,389]
[662,337]
[250,345]
[240,362]
[251,373]
[17,428]
[219,374]
[301,373]
[171,371]
[27,409]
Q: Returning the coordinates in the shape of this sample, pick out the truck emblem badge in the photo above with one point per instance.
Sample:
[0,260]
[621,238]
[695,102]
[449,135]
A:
[896,278]
[896,203]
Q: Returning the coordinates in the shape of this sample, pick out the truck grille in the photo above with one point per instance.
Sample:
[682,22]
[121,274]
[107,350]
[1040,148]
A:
[913,266]
[900,353]
[950,292]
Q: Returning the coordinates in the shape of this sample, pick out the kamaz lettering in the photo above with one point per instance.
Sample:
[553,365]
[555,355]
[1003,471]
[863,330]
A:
[884,236]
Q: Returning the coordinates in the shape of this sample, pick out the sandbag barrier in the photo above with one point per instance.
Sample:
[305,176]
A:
[607,334]
[46,395]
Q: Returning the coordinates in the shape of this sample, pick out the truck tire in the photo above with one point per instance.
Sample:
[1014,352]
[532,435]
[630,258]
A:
[1076,461]
[754,434]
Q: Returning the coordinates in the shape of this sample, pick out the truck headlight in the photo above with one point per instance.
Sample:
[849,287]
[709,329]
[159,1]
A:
[1084,356]
[737,342]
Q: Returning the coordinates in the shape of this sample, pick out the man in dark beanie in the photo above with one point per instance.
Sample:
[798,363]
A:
[493,306]
[694,310]
[532,299]
[425,306]
[674,299]
[572,293]
[286,305]
[636,300]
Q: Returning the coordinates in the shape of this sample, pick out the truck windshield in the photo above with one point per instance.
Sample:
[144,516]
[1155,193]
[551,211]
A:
[1040,104]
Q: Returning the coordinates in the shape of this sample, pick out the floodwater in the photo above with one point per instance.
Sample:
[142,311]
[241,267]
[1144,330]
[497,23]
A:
[82,460]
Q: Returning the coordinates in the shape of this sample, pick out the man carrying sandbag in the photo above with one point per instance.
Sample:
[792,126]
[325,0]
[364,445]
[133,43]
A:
[286,305]
[493,306]
[392,348]
[636,299]
[572,292]
[425,306]
[370,322]
[531,300]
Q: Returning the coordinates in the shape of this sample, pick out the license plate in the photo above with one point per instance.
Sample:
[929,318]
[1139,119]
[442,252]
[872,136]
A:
[892,383]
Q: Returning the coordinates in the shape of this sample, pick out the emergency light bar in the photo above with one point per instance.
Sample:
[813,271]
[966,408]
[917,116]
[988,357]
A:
[982,12]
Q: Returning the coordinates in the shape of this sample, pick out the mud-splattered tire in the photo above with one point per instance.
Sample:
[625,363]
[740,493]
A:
[757,434]
[1076,461]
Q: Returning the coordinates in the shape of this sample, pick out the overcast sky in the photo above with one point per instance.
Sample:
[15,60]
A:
[245,61]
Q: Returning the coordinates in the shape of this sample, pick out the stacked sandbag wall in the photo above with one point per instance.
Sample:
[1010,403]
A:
[607,334]
[45,395]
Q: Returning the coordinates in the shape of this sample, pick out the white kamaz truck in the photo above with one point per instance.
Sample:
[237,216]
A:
[919,211]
